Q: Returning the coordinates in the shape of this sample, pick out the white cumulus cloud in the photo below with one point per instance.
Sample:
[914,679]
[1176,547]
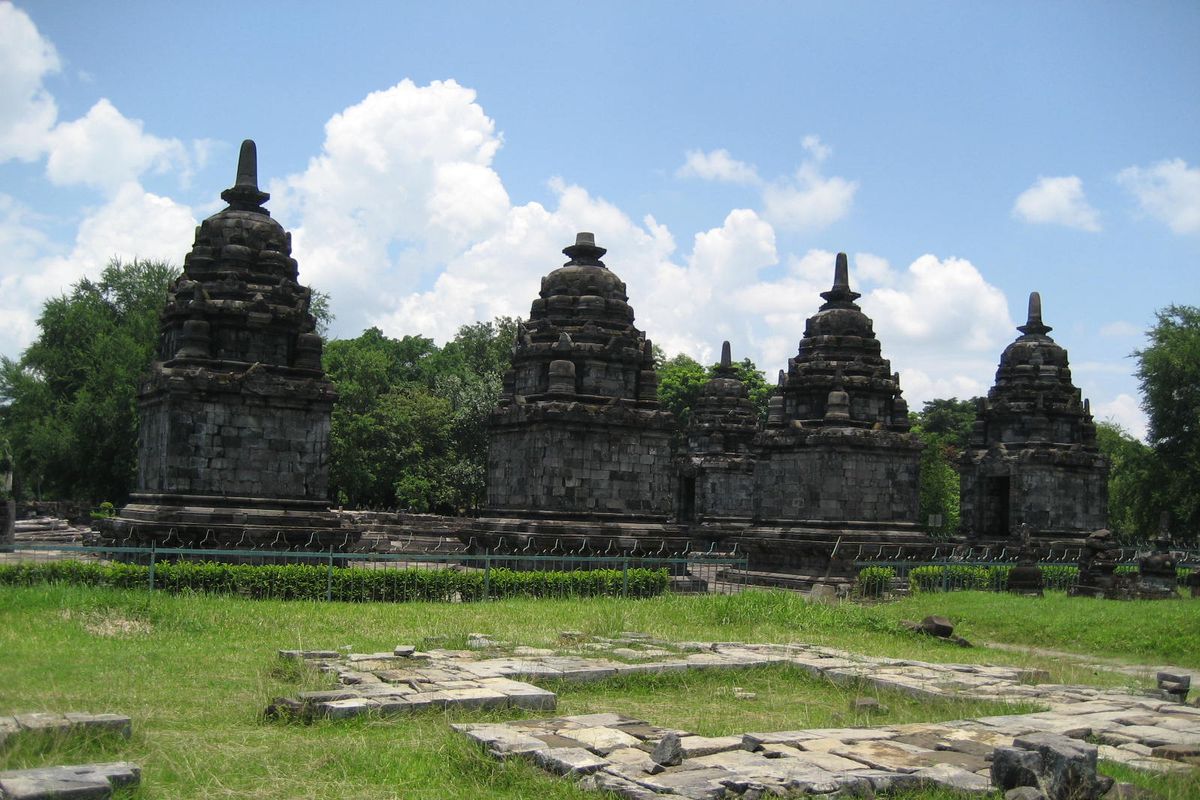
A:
[105,149]
[717,165]
[27,111]
[809,200]
[1169,191]
[403,185]
[1057,201]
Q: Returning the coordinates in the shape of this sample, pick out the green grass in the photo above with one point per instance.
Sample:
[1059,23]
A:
[195,671]
[1138,631]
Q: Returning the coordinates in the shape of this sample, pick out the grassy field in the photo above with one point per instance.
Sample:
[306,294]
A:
[194,673]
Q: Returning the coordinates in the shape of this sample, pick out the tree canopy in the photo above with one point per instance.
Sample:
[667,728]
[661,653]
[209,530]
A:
[1169,373]
[409,428]
[944,427]
[68,405]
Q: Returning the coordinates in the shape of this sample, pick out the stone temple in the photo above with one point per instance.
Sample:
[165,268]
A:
[716,476]
[1032,457]
[234,433]
[836,457]
[579,450]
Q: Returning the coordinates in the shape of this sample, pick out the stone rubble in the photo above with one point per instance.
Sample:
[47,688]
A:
[60,724]
[636,759]
[82,781]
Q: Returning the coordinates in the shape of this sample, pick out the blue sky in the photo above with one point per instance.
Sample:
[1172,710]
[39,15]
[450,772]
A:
[433,160]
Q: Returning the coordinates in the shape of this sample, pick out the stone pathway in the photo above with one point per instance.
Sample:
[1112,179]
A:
[615,752]
[84,781]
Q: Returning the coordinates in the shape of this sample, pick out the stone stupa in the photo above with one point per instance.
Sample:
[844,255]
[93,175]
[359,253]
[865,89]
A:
[1032,457]
[836,459]
[233,445]
[716,473]
[579,452]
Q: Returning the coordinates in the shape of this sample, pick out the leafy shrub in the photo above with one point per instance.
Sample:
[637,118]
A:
[994,577]
[106,511]
[874,581]
[348,584]
[1059,576]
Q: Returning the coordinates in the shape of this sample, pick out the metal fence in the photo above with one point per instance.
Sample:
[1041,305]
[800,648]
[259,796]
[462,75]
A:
[965,573]
[335,575]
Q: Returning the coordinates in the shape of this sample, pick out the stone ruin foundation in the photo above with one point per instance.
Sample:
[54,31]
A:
[233,445]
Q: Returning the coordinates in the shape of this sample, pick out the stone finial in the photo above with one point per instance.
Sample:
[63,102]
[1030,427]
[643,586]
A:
[840,296]
[584,253]
[245,195]
[1033,323]
[725,368]
[781,380]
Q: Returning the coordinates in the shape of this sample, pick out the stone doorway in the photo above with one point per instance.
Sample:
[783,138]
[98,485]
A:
[995,506]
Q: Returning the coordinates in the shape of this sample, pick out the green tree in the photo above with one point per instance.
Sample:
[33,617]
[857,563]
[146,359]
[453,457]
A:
[951,419]
[1169,373]
[69,404]
[679,381]
[1133,483]
[944,427]
[437,399]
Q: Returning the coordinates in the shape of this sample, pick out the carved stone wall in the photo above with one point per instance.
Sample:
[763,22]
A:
[564,460]
[835,476]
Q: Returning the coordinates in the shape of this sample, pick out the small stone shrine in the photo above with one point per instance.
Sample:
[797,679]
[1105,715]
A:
[716,476]
[233,447]
[1026,576]
[1032,457]
[1098,569]
[579,454]
[836,457]
[1158,577]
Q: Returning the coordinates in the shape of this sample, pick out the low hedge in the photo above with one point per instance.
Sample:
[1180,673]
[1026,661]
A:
[348,584]
[993,578]
[874,581]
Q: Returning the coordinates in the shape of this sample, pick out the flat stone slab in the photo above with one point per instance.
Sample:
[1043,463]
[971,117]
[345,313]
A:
[85,781]
[68,723]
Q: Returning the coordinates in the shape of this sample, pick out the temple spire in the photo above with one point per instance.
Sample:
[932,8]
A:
[245,194]
[1033,323]
[726,358]
[840,296]
[584,253]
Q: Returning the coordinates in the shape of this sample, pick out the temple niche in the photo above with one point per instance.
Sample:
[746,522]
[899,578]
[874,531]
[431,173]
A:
[233,443]
[836,457]
[716,475]
[1032,457]
[579,450]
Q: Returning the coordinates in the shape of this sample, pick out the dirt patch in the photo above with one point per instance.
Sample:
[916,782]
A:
[107,624]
